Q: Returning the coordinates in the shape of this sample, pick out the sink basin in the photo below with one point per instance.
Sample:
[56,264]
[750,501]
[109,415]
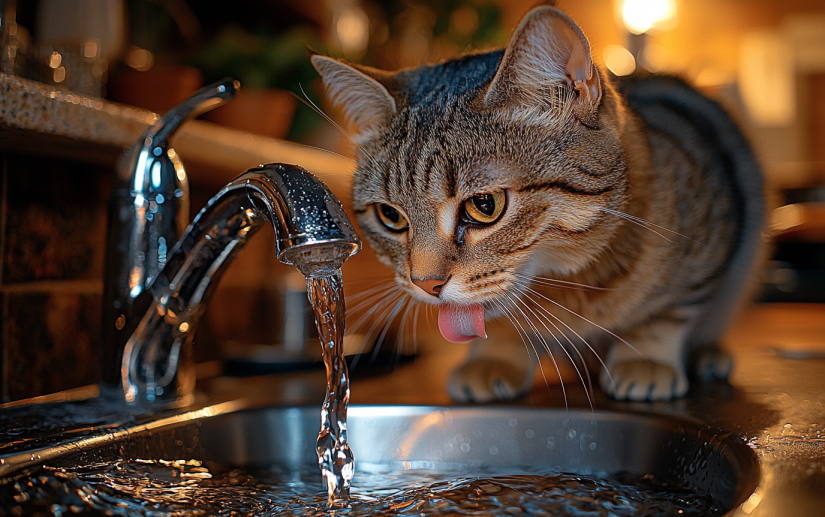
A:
[467,440]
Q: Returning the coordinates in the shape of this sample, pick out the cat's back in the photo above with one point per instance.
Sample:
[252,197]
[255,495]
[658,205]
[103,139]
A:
[680,121]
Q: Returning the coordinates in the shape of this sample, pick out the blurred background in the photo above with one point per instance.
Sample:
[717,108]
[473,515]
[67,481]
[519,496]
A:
[764,60]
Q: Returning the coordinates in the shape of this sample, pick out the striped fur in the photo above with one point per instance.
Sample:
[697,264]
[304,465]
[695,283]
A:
[648,193]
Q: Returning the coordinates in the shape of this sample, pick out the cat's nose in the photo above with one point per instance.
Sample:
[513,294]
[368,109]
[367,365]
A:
[431,285]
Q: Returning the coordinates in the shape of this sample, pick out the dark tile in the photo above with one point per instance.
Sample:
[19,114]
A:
[55,220]
[52,341]
[4,377]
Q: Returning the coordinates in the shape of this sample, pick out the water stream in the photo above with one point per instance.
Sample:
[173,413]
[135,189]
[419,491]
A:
[326,294]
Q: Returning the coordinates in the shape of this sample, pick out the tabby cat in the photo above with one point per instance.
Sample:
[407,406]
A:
[537,201]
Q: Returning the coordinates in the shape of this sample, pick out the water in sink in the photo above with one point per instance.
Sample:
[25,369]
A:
[189,488]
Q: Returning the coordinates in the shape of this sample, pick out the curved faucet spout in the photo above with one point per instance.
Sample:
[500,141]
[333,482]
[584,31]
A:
[312,232]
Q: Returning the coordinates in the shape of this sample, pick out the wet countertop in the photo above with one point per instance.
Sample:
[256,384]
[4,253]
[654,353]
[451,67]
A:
[774,401]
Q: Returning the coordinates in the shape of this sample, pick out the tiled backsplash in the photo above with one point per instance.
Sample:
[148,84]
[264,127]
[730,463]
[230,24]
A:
[53,228]
[53,215]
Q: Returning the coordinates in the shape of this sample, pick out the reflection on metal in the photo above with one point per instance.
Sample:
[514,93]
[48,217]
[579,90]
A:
[14,462]
[418,429]
[312,232]
[148,212]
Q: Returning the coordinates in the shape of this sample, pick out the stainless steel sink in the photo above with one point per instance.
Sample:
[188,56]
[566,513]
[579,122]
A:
[430,438]
[438,438]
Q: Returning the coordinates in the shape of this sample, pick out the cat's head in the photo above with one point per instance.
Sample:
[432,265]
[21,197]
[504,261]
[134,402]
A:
[477,171]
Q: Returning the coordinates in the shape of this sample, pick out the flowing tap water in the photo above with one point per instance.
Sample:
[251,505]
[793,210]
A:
[326,295]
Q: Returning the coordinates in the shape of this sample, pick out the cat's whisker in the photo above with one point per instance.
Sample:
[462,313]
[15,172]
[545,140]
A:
[538,357]
[554,282]
[388,325]
[387,308]
[370,298]
[399,340]
[574,313]
[374,307]
[526,339]
[546,314]
[647,224]
[545,345]
[308,102]
[368,292]
[561,346]
[415,327]
[543,314]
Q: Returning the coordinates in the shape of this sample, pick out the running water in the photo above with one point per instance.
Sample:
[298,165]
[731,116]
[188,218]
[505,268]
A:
[326,295]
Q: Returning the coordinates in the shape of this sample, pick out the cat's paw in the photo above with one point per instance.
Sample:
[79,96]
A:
[488,380]
[644,380]
[711,364]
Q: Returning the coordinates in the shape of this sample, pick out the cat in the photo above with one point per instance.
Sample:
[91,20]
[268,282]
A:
[537,201]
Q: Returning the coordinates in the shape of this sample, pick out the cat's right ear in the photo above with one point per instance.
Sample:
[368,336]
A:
[364,101]
[546,49]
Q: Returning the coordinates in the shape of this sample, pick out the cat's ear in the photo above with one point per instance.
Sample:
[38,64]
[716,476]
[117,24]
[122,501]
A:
[546,49]
[364,101]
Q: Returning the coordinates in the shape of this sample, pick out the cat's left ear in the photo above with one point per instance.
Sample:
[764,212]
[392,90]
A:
[546,49]
[363,100]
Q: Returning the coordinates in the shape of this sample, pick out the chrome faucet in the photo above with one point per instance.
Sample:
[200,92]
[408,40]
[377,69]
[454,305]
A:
[312,233]
[148,213]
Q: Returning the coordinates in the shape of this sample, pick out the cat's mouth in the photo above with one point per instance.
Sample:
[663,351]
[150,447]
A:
[461,323]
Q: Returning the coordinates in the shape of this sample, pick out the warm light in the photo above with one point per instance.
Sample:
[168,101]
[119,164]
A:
[654,57]
[55,60]
[352,29]
[753,501]
[140,59]
[619,60]
[640,16]
[786,217]
[60,74]
[464,21]
[90,49]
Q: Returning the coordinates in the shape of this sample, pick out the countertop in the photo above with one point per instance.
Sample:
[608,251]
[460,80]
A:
[38,118]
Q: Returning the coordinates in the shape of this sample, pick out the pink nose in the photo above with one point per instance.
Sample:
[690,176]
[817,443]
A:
[431,286]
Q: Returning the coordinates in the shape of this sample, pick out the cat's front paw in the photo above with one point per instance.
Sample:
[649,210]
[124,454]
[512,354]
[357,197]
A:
[488,380]
[644,380]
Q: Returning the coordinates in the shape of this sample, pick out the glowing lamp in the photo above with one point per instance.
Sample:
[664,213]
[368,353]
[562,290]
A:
[639,16]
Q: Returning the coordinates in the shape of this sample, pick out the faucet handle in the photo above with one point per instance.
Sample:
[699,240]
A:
[205,99]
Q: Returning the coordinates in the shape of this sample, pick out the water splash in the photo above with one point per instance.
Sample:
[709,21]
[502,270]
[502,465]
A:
[335,458]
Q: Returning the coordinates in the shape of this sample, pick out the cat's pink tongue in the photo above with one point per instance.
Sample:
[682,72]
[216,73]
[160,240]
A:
[461,324]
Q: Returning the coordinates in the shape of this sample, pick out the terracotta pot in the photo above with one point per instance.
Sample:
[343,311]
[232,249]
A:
[158,89]
[266,112]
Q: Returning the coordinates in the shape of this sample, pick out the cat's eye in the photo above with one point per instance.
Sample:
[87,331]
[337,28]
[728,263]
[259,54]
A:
[391,218]
[485,208]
